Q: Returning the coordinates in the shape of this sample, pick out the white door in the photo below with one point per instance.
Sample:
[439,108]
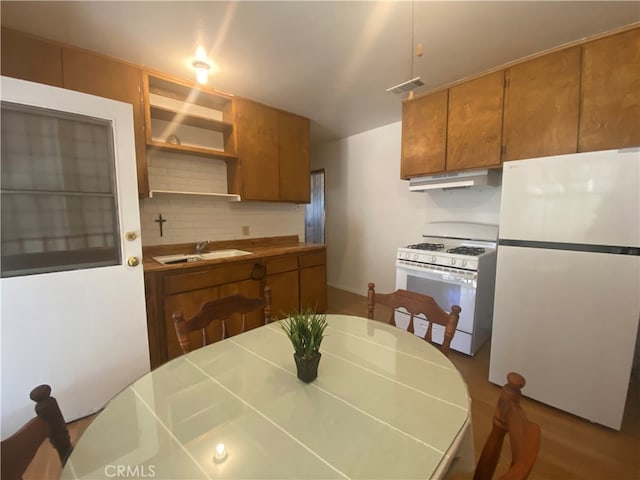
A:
[72,309]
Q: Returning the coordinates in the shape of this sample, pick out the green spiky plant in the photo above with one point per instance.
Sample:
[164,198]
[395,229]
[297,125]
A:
[306,331]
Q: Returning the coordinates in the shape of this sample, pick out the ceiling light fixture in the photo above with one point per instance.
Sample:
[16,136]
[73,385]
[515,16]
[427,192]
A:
[202,70]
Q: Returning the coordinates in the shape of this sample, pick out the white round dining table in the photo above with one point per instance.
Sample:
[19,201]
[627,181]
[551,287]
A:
[385,405]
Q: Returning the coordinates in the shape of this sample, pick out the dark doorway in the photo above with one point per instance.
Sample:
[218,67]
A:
[314,211]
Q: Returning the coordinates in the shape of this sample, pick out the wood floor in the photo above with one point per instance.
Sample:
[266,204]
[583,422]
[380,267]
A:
[571,448]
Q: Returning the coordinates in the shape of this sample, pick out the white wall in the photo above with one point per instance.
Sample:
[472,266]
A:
[192,218]
[370,211]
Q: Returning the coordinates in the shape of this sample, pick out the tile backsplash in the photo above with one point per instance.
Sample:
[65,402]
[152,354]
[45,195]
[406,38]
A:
[191,218]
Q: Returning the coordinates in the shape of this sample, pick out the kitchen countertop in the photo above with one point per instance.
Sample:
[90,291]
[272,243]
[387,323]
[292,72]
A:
[260,248]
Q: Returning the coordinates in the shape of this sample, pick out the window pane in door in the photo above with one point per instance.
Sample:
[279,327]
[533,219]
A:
[59,208]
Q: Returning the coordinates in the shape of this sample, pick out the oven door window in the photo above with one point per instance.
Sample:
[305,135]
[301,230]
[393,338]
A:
[445,293]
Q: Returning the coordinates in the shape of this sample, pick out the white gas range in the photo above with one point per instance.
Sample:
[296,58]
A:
[455,264]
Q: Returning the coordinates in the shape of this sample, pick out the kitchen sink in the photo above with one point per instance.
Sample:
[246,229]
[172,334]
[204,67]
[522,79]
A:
[197,257]
[223,254]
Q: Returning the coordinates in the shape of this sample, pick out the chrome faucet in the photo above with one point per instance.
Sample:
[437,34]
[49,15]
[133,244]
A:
[200,246]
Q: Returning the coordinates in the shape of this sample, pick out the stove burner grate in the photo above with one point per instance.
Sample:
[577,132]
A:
[426,246]
[472,251]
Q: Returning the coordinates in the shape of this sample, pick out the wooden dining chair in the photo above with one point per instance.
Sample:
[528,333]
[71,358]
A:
[18,450]
[524,436]
[217,312]
[415,304]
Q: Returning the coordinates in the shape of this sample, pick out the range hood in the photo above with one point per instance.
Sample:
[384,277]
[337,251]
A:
[473,178]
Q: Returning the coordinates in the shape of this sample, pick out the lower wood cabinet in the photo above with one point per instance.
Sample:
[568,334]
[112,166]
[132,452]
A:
[282,277]
[185,290]
[297,280]
[189,304]
[313,281]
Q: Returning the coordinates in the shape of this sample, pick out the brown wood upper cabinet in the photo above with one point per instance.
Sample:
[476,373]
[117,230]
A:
[273,154]
[31,59]
[258,165]
[101,76]
[474,130]
[610,103]
[40,61]
[293,149]
[542,106]
[266,150]
[578,99]
[424,135]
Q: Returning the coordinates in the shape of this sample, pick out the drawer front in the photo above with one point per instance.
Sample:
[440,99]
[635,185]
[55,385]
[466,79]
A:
[313,259]
[218,275]
[281,264]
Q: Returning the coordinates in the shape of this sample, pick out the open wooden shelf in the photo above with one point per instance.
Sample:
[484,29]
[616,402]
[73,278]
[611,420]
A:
[229,196]
[184,92]
[189,150]
[166,114]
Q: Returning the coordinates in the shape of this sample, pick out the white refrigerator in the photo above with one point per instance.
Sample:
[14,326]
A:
[567,295]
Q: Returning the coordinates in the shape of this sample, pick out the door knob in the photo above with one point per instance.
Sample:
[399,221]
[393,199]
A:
[133,261]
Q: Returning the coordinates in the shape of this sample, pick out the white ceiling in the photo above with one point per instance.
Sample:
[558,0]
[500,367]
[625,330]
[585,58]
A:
[328,61]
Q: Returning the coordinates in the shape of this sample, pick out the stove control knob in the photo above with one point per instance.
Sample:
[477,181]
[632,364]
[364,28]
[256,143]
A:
[453,261]
[464,263]
[433,259]
[415,256]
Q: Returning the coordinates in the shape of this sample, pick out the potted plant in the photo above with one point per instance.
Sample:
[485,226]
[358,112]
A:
[306,330]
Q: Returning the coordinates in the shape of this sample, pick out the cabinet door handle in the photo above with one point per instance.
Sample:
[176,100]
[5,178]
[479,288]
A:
[259,272]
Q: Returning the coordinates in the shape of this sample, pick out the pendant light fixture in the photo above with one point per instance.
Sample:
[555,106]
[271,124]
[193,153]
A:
[415,82]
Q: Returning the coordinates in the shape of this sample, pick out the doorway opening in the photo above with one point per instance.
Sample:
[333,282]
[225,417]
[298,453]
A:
[314,211]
